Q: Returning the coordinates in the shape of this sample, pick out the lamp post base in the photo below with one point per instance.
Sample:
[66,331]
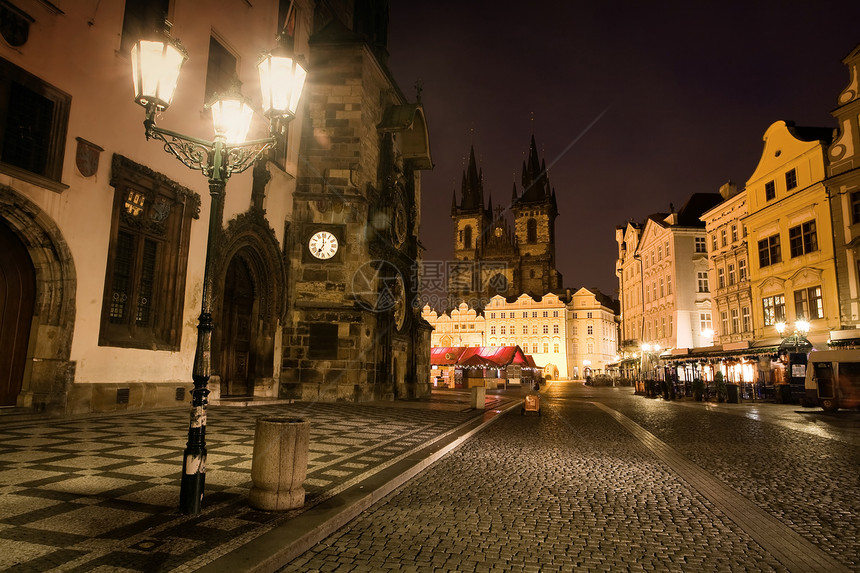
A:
[193,482]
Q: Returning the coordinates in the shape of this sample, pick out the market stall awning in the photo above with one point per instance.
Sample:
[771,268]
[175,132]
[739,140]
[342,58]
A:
[489,356]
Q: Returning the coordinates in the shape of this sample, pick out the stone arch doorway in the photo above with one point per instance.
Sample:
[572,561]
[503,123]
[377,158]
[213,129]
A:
[48,371]
[17,302]
[238,330]
[250,288]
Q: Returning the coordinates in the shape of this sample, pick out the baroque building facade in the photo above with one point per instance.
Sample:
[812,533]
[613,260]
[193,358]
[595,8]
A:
[106,233]
[793,268]
[572,335]
[843,189]
[728,264]
[662,270]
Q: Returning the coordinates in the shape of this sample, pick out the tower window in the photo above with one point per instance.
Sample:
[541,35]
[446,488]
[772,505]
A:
[531,231]
[467,237]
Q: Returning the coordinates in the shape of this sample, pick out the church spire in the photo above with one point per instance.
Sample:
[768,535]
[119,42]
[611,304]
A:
[535,181]
[472,187]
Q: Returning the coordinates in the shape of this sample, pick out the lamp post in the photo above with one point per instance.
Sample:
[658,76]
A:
[796,357]
[156,64]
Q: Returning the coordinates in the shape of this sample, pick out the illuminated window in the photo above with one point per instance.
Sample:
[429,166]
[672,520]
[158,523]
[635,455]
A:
[555,348]
[808,303]
[774,309]
[705,321]
[546,348]
[147,257]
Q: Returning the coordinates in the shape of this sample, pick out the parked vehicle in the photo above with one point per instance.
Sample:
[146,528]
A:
[833,379]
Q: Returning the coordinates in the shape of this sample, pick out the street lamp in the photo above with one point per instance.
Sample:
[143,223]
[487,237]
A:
[155,65]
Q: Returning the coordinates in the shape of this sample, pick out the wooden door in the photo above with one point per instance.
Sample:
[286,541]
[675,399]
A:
[237,357]
[17,299]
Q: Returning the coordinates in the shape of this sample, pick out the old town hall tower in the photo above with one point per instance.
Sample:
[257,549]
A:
[492,258]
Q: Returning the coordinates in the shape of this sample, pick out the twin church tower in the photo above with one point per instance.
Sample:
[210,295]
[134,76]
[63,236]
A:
[490,257]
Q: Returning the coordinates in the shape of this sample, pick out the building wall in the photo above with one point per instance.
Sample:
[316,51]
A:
[360,169]
[73,214]
[729,268]
[566,334]
[843,188]
[774,217]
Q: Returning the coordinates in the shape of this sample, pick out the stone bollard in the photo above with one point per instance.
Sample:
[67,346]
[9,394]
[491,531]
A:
[280,463]
[479,393]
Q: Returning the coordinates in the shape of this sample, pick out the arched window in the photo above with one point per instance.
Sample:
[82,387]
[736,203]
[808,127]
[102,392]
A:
[531,231]
[467,237]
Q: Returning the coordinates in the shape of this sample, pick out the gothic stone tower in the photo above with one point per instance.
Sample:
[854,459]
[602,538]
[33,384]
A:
[535,211]
[472,222]
[351,331]
[489,257]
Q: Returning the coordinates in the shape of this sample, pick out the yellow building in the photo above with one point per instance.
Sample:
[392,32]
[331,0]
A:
[729,267]
[461,327]
[792,266]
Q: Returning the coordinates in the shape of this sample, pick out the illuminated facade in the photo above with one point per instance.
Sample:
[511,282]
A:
[108,232]
[491,257]
[843,188]
[569,337]
[792,264]
[663,274]
[728,267]
[461,327]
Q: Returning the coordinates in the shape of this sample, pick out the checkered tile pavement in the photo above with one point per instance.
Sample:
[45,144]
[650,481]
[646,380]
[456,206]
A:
[101,493]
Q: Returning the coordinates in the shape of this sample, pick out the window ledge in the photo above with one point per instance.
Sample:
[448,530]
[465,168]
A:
[33,178]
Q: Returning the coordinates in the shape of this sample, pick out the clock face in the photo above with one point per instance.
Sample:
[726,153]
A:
[323,245]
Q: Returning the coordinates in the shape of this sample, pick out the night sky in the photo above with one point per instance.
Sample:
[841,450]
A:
[633,105]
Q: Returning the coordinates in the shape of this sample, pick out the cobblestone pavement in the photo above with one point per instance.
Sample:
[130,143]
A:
[101,493]
[605,481]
